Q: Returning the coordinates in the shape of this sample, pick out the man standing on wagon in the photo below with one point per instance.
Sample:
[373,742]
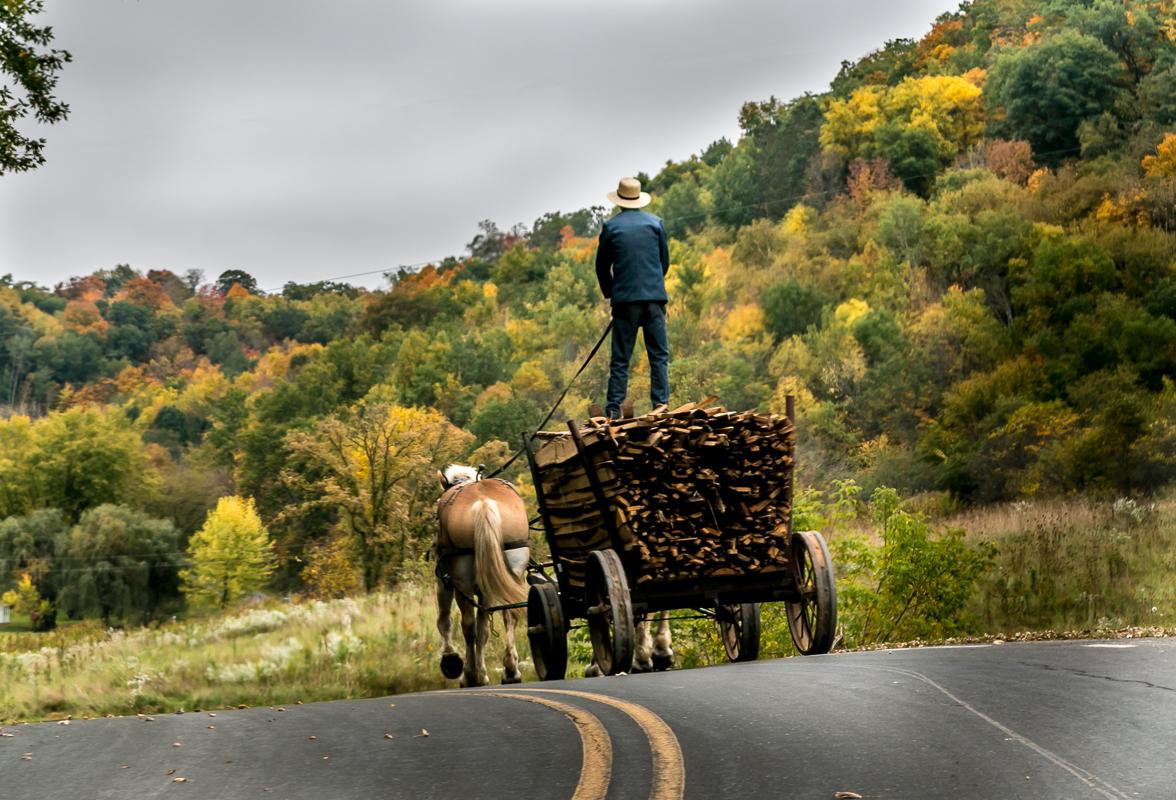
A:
[631,264]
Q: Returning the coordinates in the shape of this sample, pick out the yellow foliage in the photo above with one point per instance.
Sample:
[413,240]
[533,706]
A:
[1163,163]
[1109,211]
[531,379]
[849,312]
[1037,180]
[331,569]
[949,106]
[495,391]
[850,123]
[799,220]
[744,322]
[232,554]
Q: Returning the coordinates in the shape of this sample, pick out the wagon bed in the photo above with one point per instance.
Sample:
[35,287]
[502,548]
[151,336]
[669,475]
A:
[689,508]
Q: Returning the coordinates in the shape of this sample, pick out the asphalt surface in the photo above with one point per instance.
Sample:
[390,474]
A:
[1038,720]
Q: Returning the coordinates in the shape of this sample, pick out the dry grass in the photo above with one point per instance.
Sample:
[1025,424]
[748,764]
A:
[267,655]
[1075,564]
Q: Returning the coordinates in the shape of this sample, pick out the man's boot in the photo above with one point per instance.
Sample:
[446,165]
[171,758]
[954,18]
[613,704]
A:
[626,409]
[595,410]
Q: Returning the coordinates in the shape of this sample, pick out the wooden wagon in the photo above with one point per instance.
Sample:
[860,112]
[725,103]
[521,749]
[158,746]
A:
[684,509]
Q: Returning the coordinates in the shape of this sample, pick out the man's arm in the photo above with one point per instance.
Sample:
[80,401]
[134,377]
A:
[604,262]
[663,246]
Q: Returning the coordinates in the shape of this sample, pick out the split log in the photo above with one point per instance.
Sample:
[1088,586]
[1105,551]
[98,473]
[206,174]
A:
[694,492]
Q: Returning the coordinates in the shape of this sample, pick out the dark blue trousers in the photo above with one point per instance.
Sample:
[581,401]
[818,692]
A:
[650,319]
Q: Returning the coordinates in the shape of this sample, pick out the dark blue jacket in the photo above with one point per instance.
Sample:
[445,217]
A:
[632,258]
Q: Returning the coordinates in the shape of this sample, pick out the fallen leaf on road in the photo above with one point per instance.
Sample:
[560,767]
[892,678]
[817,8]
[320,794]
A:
[27,757]
[6,735]
[422,733]
[212,713]
[391,705]
[170,772]
[312,738]
[390,736]
[846,796]
[177,744]
[149,719]
[281,708]
[178,779]
[63,722]
[242,705]
[124,766]
[212,727]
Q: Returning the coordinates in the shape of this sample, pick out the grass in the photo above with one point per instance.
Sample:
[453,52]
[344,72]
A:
[265,655]
[1060,566]
[1075,564]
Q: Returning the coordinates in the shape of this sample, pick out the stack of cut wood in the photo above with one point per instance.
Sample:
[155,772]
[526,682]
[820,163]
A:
[694,492]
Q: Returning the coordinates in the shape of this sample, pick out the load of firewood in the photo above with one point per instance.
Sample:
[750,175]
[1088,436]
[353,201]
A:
[694,492]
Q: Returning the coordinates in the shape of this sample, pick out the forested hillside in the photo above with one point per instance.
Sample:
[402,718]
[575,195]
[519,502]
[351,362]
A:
[961,259]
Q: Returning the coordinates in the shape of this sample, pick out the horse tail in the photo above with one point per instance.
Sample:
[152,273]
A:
[499,585]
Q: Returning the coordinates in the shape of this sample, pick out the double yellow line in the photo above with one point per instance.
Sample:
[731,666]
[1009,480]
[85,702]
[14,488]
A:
[669,771]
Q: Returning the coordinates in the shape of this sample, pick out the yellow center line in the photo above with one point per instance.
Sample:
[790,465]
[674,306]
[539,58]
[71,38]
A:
[669,771]
[596,760]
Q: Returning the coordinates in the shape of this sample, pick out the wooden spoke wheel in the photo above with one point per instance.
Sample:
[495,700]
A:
[547,632]
[812,617]
[739,628]
[609,612]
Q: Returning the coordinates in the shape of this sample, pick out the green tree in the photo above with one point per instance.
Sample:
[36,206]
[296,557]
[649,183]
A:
[1085,79]
[81,458]
[30,69]
[121,563]
[791,307]
[232,555]
[30,545]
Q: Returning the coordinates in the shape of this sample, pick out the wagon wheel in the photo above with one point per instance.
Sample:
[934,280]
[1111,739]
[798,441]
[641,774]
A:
[546,632]
[739,628]
[812,617]
[610,612]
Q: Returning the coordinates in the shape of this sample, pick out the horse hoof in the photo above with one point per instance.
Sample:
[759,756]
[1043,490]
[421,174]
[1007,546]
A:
[592,671]
[663,662]
[451,665]
[642,666]
[508,678]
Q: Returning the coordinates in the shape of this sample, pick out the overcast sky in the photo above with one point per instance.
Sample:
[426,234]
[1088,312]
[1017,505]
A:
[310,140]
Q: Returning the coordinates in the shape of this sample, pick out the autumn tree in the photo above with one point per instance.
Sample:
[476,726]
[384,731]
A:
[232,555]
[373,466]
[29,66]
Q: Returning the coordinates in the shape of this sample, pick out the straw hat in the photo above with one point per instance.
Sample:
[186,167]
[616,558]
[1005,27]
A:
[629,194]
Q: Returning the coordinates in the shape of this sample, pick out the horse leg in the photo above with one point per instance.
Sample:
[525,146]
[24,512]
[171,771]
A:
[469,624]
[484,618]
[663,652]
[641,658]
[450,661]
[510,660]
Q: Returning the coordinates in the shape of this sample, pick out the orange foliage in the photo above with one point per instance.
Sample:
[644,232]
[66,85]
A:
[83,316]
[146,293]
[873,175]
[237,291]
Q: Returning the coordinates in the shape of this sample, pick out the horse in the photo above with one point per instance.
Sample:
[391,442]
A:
[652,652]
[482,555]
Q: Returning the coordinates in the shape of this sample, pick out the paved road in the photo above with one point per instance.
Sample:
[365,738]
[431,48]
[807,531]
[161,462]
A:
[1040,720]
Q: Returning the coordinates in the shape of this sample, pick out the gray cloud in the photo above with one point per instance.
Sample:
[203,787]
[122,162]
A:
[300,140]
